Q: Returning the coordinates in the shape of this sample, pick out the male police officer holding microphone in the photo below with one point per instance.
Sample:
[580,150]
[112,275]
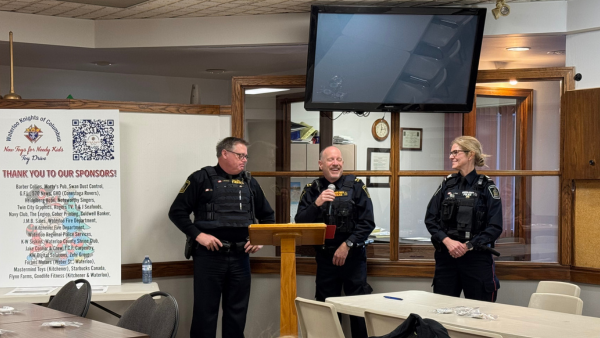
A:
[343,201]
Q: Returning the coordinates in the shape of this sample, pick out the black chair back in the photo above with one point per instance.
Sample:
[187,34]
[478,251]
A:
[158,320]
[73,300]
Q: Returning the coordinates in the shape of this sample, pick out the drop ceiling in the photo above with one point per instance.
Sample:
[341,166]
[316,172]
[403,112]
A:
[152,9]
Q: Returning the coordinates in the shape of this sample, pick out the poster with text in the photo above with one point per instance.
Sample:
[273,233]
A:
[60,200]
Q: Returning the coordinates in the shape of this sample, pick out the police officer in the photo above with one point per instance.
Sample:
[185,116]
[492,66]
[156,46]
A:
[464,218]
[342,261]
[225,201]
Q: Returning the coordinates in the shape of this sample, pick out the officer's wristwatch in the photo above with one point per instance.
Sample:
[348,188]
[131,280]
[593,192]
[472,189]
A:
[349,243]
[469,246]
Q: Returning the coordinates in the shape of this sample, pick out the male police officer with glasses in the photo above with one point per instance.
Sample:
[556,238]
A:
[225,201]
[343,201]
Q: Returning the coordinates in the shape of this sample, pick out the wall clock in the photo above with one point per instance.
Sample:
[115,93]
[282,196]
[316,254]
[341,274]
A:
[380,130]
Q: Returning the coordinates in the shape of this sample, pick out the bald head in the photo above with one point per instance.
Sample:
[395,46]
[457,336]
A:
[331,163]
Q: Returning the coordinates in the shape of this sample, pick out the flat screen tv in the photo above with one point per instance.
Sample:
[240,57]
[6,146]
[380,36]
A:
[393,59]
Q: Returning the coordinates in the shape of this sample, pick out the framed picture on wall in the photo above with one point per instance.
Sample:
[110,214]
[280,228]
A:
[411,138]
[378,159]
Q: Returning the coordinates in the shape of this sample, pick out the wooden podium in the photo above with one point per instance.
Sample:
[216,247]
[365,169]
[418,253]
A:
[288,236]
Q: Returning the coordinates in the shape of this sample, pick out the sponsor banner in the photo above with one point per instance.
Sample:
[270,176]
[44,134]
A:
[60,200]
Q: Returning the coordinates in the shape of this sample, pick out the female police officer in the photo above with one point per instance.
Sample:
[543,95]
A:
[464,218]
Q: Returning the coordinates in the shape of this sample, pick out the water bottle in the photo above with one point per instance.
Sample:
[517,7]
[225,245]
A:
[147,270]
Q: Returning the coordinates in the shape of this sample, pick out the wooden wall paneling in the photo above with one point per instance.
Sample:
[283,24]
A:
[585,275]
[579,155]
[581,147]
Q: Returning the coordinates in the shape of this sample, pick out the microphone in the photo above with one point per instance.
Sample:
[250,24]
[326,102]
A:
[332,188]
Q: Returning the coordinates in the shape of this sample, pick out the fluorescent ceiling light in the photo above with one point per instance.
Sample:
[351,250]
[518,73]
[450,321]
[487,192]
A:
[264,90]
[513,82]
[518,49]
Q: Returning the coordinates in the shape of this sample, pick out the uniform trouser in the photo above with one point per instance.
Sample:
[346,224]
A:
[352,277]
[216,274]
[473,273]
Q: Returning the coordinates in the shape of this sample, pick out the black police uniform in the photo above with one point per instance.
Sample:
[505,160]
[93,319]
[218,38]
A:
[466,209]
[222,207]
[352,213]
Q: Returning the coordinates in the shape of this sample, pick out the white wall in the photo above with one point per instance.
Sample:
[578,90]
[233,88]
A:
[582,53]
[41,83]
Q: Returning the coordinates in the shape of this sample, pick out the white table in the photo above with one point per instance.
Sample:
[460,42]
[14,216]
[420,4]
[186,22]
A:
[126,291]
[513,321]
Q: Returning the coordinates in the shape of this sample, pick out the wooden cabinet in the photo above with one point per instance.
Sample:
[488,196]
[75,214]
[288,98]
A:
[581,121]
[305,156]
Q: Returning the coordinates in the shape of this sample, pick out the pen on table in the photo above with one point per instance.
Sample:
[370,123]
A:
[390,297]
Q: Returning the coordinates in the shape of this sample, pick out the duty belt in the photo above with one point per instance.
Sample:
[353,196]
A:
[235,247]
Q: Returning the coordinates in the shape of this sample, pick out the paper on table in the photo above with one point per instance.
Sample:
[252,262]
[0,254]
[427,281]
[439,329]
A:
[32,291]
[419,239]
[99,288]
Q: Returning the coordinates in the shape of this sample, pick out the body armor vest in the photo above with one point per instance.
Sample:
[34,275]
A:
[463,213]
[342,208]
[230,206]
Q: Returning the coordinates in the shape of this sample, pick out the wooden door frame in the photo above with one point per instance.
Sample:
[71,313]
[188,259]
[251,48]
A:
[524,130]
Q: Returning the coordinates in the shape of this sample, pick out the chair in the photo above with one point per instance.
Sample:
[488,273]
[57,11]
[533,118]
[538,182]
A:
[158,320]
[379,324]
[318,319]
[73,300]
[560,288]
[556,302]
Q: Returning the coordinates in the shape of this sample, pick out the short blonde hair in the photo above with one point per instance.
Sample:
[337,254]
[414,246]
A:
[471,144]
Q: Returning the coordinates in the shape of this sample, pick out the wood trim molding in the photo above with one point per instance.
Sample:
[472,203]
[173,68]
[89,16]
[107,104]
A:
[135,107]
[394,185]
[240,83]
[407,173]
[565,74]
[585,275]
[381,268]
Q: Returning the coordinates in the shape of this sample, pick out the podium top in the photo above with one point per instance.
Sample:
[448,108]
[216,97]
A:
[271,234]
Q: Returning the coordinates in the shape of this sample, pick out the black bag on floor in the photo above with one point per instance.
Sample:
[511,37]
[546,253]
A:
[415,326]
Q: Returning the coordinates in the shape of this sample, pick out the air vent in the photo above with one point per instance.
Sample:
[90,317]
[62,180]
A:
[109,3]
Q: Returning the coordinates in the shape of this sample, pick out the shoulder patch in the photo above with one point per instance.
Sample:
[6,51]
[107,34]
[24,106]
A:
[364,187]
[309,185]
[302,195]
[185,186]
[494,192]
[357,180]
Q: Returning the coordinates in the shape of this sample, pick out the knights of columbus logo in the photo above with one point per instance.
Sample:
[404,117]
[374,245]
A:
[33,133]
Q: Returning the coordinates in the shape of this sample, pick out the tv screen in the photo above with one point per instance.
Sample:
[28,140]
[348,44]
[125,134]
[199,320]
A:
[393,59]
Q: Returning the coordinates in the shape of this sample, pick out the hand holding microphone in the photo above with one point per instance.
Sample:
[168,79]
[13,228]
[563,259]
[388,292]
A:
[327,195]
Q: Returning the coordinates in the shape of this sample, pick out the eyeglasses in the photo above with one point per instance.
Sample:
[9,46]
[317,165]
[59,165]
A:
[239,156]
[454,153]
